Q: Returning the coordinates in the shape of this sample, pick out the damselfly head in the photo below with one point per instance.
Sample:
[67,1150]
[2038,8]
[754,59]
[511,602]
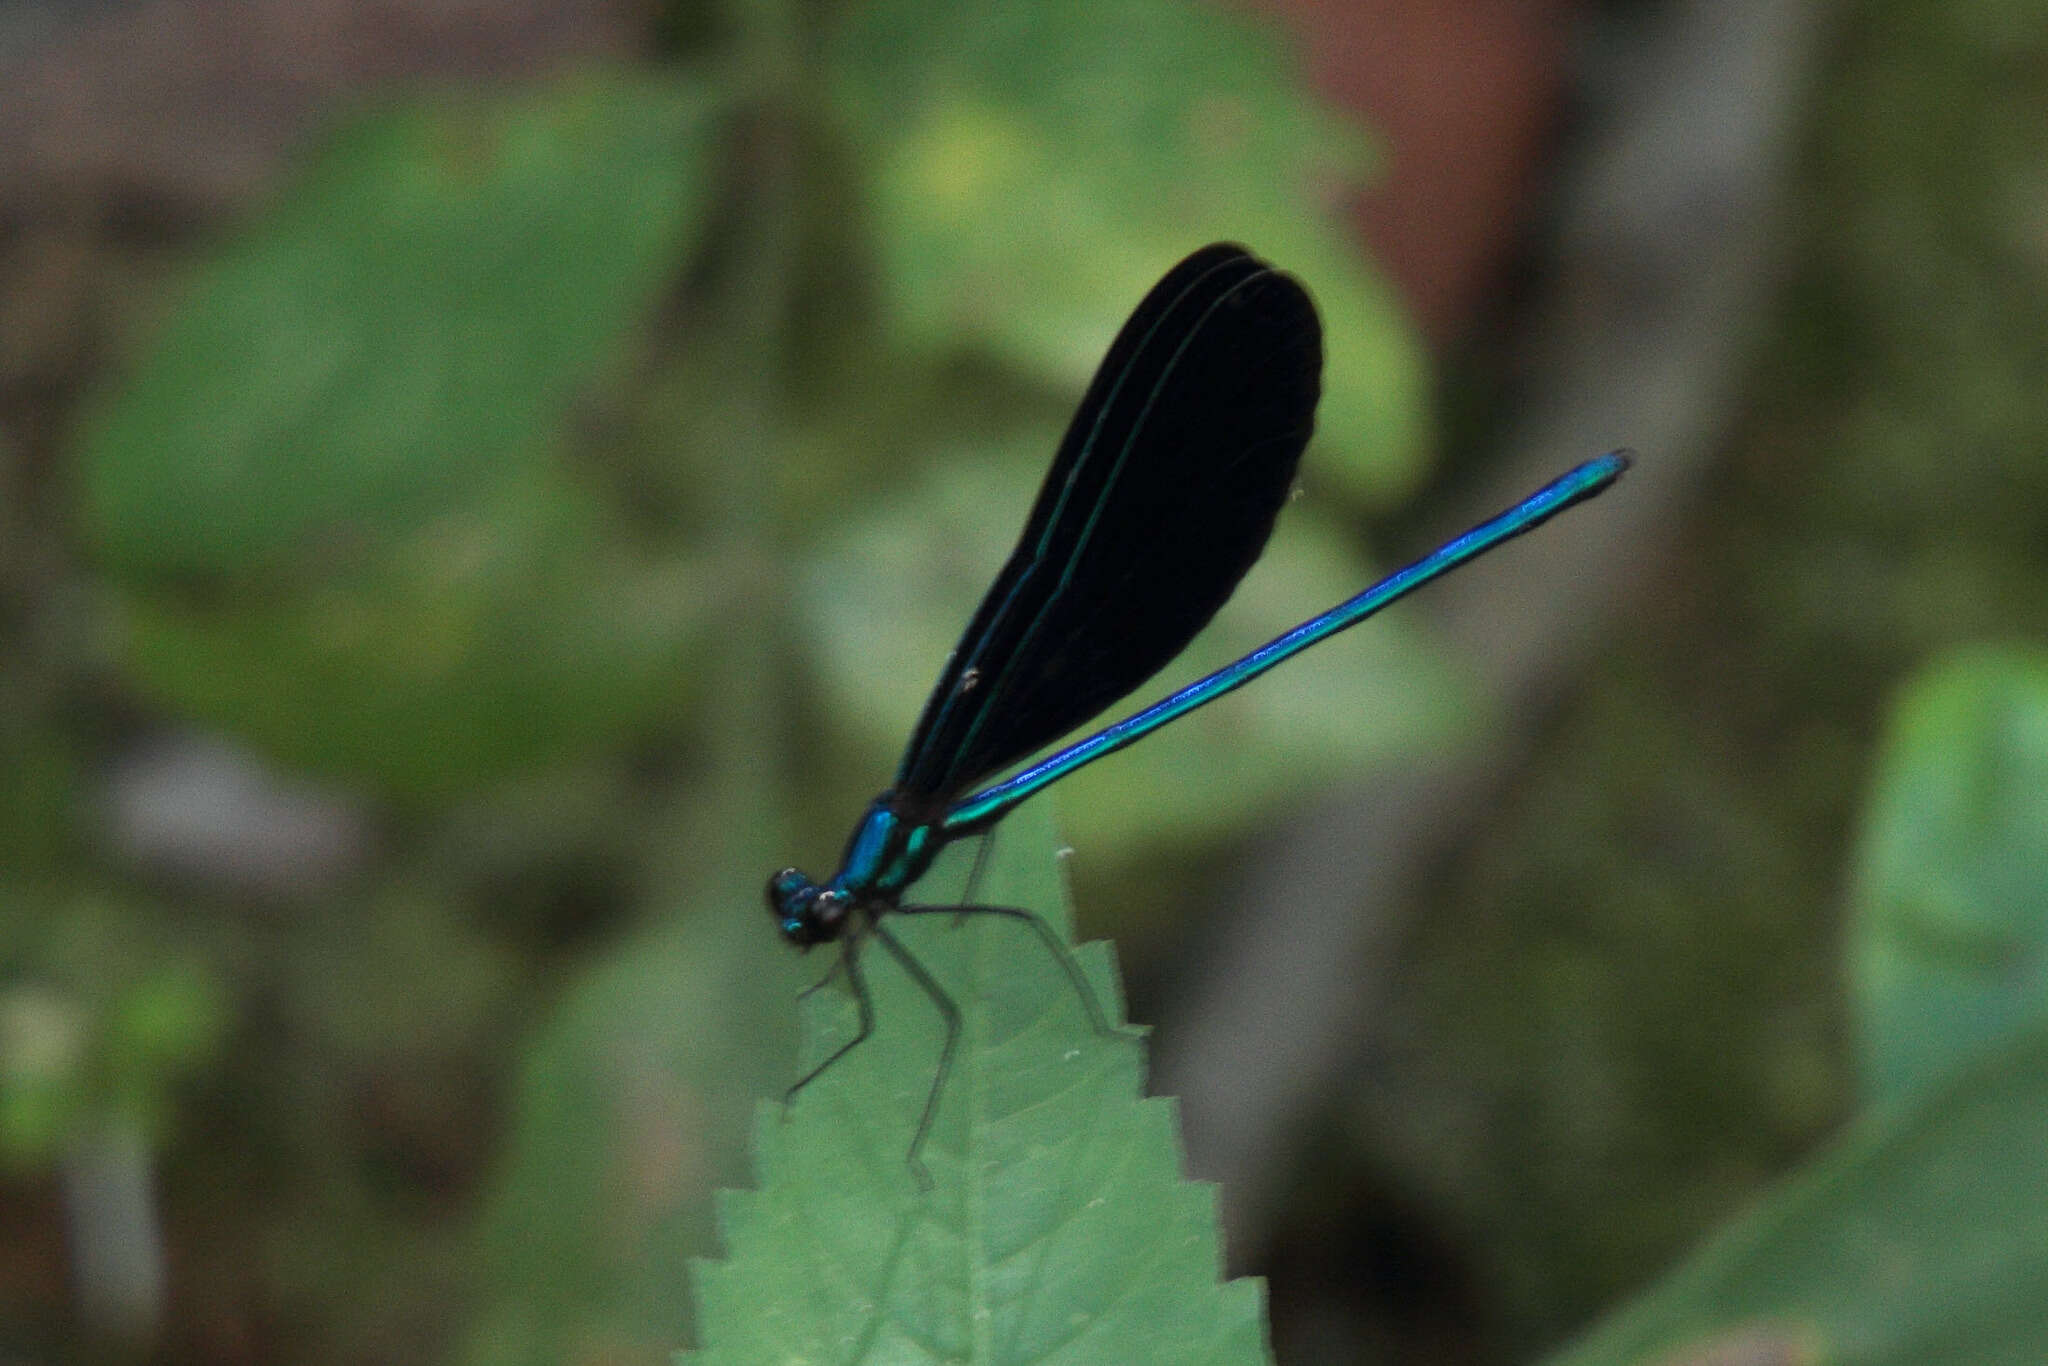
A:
[805,912]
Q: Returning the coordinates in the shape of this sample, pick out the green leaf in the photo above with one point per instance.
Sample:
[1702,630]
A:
[1949,943]
[1921,1237]
[632,1107]
[331,490]
[1057,1228]
[483,641]
[404,327]
[1034,160]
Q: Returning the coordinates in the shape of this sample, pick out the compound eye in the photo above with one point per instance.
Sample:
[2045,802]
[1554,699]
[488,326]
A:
[792,900]
[786,888]
[829,912]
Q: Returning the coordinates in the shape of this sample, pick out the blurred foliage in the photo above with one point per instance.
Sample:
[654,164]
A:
[106,1031]
[406,324]
[329,493]
[1057,1223]
[1922,1235]
[633,1104]
[1622,1011]
[1919,1238]
[1010,198]
[1950,941]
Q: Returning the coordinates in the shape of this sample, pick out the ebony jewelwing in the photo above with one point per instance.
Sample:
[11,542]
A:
[1163,492]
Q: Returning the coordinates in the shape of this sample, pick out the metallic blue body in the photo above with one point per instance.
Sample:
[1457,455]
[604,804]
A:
[887,853]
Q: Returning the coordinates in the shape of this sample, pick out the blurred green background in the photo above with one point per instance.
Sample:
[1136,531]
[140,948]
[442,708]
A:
[482,489]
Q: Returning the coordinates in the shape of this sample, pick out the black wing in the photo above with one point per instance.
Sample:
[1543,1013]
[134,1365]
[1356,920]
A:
[1163,493]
